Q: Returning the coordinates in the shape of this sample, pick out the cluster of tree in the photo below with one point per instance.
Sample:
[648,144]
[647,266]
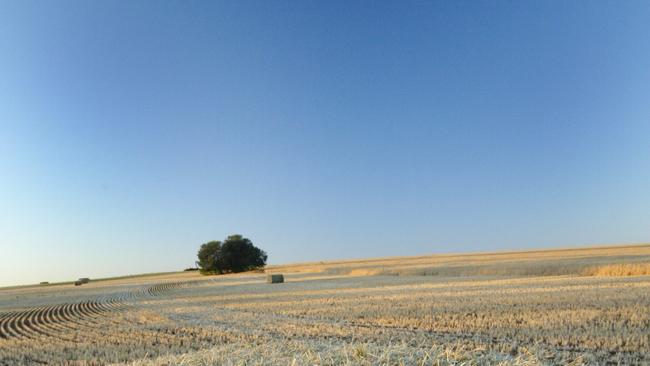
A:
[235,254]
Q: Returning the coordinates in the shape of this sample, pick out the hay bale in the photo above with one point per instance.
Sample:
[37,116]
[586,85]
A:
[274,278]
[84,280]
[78,283]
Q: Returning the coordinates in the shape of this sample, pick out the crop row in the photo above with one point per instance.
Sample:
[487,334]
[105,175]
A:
[61,319]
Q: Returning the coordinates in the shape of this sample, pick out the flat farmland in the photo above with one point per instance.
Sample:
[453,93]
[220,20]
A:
[569,306]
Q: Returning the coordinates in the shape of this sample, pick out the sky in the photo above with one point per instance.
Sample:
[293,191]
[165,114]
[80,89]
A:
[133,131]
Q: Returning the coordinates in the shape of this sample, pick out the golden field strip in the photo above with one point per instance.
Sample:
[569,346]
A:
[566,306]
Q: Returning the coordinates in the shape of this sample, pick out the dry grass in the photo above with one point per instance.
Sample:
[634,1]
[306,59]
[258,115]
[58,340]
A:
[624,269]
[299,352]
[497,308]
[556,262]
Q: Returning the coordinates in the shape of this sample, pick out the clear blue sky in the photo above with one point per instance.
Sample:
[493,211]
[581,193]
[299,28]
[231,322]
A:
[132,131]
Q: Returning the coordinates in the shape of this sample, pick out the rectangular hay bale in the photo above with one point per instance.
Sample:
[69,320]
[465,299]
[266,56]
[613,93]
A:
[275,278]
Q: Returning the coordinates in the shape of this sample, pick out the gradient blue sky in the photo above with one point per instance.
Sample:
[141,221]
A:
[133,131]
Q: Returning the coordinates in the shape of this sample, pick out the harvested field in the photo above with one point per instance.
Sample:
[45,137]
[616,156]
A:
[578,306]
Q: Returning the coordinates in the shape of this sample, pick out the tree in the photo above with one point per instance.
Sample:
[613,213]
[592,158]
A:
[239,254]
[235,254]
[209,256]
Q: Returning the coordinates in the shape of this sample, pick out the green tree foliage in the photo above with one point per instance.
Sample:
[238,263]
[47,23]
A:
[235,254]
[208,256]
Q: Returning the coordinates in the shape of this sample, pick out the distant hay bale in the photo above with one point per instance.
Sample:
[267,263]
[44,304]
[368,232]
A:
[78,283]
[84,280]
[275,278]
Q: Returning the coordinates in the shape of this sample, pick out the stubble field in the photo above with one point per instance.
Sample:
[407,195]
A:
[577,306]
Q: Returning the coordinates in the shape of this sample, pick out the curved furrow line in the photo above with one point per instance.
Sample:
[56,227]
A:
[118,302]
[40,317]
[54,320]
[161,289]
[60,313]
[35,327]
[113,305]
[143,292]
[91,315]
[12,325]
[5,315]
[5,330]
[85,312]
[130,297]
[17,325]
[8,327]
[110,303]
[96,308]
[96,325]
[105,314]
[33,324]
[81,315]
[65,313]
[68,316]
[81,323]
[24,324]
[107,304]
[97,315]
[38,324]
[152,290]
[69,313]
[126,298]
